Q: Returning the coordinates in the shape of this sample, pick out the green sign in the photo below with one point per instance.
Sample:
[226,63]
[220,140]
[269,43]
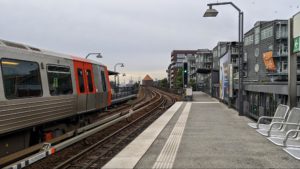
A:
[296,44]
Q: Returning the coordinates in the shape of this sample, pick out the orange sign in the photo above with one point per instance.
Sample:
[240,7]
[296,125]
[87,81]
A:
[269,62]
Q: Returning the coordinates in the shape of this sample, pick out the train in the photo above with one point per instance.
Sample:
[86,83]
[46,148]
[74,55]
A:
[43,94]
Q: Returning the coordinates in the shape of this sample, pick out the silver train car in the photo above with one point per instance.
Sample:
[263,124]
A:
[43,94]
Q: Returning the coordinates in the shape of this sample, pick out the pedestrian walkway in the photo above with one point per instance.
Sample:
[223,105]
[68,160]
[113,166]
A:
[201,134]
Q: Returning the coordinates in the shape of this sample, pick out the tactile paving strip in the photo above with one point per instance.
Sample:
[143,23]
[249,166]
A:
[133,152]
[167,156]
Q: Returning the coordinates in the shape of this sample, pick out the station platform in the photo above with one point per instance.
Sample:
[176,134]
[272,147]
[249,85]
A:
[203,133]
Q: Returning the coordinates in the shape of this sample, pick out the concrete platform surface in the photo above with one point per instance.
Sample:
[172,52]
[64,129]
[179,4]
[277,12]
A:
[202,134]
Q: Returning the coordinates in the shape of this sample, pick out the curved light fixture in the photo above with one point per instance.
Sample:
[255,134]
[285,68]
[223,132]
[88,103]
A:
[210,12]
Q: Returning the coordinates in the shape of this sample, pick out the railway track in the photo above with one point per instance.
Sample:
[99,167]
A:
[105,116]
[115,132]
[99,153]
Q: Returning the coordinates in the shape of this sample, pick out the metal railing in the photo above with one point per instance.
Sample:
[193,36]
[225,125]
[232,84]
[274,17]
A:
[119,92]
[282,53]
[281,34]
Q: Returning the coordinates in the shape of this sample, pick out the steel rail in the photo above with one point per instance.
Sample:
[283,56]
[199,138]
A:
[80,155]
[30,150]
[52,149]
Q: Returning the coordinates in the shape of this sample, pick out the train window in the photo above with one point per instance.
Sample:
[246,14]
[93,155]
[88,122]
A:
[97,77]
[59,79]
[80,80]
[21,79]
[90,82]
[103,81]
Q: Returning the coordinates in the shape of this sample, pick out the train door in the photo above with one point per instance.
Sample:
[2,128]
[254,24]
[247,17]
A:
[99,90]
[81,86]
[109,93]
[91,89]
[104,86]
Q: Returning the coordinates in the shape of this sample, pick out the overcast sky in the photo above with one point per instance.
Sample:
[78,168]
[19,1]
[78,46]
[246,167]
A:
[139,33]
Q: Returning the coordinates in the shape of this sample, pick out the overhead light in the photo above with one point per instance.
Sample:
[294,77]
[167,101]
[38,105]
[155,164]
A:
[9,63]
[210,12]
[99,55]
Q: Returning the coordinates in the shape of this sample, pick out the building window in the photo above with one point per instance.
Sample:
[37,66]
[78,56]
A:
[256,52]
[223,51]
[270,47]
[59,79]
[267,33]
[80,80]
[284,66]
[257,33]
[281,31]
[90,82]
[248,40]
[282,49]
[245,57]
[21,79]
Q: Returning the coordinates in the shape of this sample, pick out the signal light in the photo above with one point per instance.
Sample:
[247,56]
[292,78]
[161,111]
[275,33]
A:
[185,74]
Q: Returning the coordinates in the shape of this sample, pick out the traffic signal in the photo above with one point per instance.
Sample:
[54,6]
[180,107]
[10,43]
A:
[185,74]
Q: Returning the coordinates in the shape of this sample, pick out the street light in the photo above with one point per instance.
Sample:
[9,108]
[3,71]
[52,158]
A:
[123,77]
[98,55]
[115,69]
[210,12]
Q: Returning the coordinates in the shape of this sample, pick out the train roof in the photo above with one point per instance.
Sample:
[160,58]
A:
[28,48]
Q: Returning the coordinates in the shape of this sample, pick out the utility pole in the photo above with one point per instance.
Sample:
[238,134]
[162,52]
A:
[294,50]
[211,12]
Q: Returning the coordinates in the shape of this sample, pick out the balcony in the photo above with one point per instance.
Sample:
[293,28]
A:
[282,53]
[281,35]
[207,60]
[234,51]
[192,65]
[235,64]
[281,73]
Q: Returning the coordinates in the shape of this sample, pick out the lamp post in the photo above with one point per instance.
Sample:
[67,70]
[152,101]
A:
[115,69]
[210,12]
[212,76]
[123,77]
[98,55]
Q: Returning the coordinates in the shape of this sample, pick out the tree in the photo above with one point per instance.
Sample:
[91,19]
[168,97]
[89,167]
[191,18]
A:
[164,83]
[179,79]
[193,84]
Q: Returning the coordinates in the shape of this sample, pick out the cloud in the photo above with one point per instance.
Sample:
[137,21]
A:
[140,33]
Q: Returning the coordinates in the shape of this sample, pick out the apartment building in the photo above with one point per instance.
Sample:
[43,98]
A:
[265,83]
[196,59]
[225,66]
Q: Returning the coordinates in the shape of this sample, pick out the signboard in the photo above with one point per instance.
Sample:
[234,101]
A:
[230,80]
[296,32]
[269,61]
[224,77]
[296,45]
